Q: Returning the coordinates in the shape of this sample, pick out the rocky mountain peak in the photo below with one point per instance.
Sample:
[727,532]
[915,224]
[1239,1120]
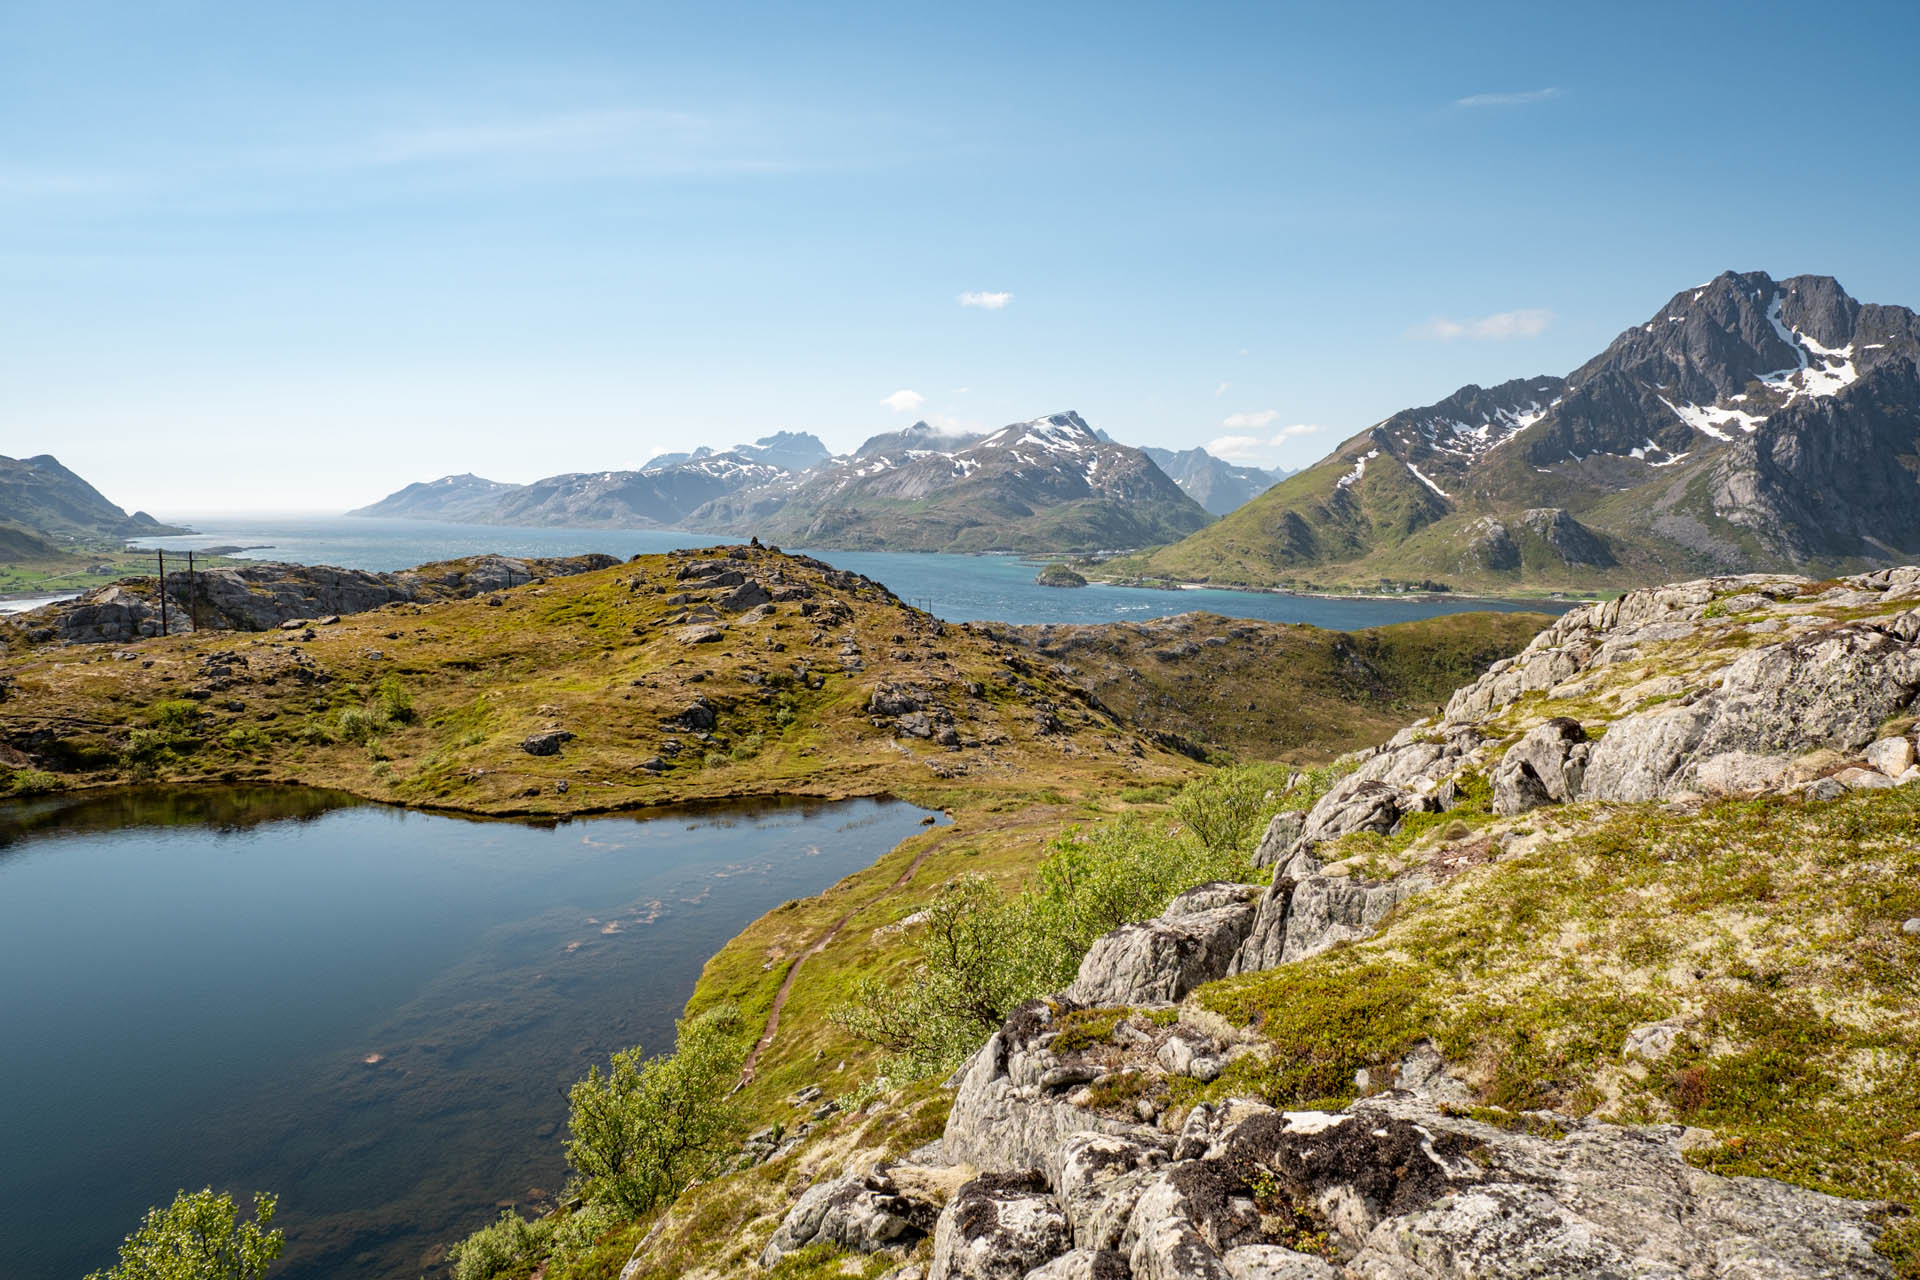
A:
[1057,431]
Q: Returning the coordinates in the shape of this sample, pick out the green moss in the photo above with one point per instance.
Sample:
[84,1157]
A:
[1767,930]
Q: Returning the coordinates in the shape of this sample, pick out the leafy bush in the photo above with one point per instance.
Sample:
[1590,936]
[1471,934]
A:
[1228,809]
[358,724]
[392,702]
[172,731]
[199,1237]
[642,1133]
[30,782]
[508,1244]
[969,974]
[982,950]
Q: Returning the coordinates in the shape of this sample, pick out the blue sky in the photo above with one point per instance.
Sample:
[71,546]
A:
[294,256]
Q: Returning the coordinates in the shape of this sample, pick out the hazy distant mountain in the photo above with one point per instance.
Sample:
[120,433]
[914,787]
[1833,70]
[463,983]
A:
[1049,485]
[1214,483]
[51,504]
[661,495]
[1750,424]
[463,499]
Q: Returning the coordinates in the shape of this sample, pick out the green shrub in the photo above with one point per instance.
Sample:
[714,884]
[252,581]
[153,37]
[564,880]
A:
[642,1133]
[200,1237]
[982,950]
[508,1245]
[30,782]
[358,724]
[392,702]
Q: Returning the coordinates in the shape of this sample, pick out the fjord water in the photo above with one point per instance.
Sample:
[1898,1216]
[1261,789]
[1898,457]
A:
[372,1012]
[955,587]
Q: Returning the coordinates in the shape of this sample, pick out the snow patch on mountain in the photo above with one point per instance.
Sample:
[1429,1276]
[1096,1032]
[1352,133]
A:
[1359,470]
[1422,477]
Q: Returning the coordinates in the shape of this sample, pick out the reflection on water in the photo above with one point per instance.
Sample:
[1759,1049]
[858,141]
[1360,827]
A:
[372,1012]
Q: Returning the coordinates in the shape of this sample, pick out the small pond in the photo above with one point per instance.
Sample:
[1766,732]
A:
[374,1013]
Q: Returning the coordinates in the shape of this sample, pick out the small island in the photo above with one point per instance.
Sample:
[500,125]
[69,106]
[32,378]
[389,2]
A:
[1059,575]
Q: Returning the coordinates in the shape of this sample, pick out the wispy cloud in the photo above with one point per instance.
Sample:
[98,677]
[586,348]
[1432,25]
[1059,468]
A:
[985,300]
[903,401]
[1236,448]
[1221,390]
[1498,327]
[1241,447]
[1526,97]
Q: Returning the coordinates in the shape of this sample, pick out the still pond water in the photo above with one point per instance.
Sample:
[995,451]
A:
[371,1012]
[957,588]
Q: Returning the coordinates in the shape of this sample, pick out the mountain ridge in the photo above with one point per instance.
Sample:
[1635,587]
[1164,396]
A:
[50,504]
[1749,425]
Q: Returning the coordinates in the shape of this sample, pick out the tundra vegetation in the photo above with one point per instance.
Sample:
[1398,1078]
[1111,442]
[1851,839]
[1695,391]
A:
[1070,816]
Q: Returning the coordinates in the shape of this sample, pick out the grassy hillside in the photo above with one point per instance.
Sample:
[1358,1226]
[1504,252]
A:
[430,705]
[1271,690]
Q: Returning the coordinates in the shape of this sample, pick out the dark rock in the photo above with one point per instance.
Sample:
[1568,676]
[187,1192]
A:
[546,743]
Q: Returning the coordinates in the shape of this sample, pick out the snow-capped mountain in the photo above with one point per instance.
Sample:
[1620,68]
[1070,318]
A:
[660,495]
[1050,484]
[1748,424]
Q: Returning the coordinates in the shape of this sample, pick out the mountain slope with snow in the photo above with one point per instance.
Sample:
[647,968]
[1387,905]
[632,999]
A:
[1050,485]
[1749,424]
[660,495]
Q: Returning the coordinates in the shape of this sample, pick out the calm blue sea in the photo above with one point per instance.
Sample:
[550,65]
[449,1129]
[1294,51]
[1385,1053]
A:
[957,588]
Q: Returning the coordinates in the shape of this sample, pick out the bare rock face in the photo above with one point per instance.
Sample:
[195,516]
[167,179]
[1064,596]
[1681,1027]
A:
[1013,1110]
[998,1227]
[1282,831]
[862,1212]
[1161,960]
[1301,918]
[1544,767]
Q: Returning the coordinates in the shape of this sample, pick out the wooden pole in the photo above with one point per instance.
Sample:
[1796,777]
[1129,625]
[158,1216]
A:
[193,594]
[163,593]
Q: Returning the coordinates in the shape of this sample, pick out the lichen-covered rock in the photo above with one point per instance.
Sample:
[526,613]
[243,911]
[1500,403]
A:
[1010,1108]
[1097,1177]
[1301,918]
[861,1212]
[1282,830]
[1160,960]
[1546,766]
[1083,1264]
[999,1227]
[1271,1262]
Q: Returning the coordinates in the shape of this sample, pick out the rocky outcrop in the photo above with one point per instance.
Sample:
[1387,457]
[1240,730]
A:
[863,1212]
[260,597]
[1192,942]
[1090,1164]
[1401,1185]
[1301,918]
[1546,766]
[1000,1226]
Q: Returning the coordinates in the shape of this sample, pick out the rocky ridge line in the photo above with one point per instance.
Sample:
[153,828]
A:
[1068,1166]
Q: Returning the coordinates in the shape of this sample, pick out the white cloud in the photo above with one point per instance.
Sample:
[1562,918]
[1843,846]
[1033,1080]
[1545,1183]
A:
[1221,390]
[1296,430]
[984,300]
[1236,448]
[1501,325]
[1524,98]
[904,401]
[1256,419]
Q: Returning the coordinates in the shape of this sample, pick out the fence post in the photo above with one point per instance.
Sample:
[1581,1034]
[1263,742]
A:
[163,592]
